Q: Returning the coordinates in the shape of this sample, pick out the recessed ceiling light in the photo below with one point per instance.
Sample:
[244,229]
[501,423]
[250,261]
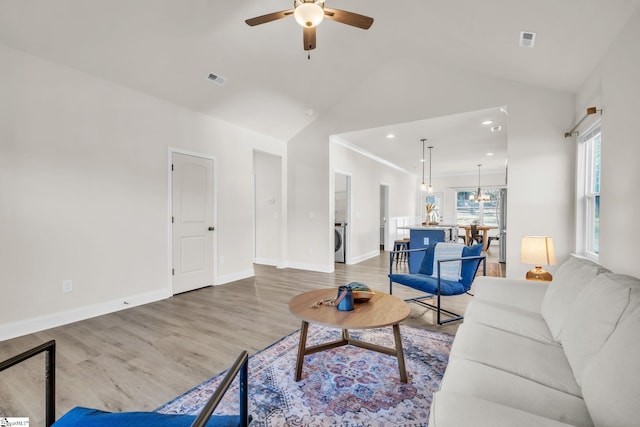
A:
[390,136]
[487,122]
[422,160]
[489,154]
[496,128]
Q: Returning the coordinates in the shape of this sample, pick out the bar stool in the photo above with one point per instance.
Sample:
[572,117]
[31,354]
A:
[401,245]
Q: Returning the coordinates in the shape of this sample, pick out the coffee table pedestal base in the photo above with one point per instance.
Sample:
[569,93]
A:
[303,350]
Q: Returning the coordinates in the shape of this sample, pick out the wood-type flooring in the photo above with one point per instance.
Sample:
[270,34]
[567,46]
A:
[142,357]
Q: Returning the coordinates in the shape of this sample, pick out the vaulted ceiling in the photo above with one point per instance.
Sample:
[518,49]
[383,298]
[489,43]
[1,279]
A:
[167,48]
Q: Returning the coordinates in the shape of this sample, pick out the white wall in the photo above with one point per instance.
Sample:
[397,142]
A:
[540,168]
[363,230]
[84,192]
[341,197]
[615,87]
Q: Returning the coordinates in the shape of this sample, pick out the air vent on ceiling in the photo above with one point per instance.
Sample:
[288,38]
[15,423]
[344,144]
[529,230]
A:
[216,78]
[527,39]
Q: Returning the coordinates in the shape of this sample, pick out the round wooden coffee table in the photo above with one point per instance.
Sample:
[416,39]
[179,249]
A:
[380,311]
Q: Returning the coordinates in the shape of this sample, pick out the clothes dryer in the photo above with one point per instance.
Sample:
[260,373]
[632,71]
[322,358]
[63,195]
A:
[340,242]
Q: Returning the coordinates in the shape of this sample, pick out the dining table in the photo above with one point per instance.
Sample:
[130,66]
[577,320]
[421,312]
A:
[483,228]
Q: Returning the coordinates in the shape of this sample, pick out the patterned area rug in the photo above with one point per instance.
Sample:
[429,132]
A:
[345,386]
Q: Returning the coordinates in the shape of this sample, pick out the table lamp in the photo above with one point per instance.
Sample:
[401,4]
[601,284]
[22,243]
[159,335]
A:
[537,250]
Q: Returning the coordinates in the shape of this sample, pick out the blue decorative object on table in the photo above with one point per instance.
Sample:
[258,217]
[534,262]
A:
[344,301]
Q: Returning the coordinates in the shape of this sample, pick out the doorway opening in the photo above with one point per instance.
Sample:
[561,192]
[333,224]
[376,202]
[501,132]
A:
[342,215]
[384,215]
[268,205]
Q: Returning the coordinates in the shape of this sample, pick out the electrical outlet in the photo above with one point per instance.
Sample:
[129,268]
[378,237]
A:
[67,285]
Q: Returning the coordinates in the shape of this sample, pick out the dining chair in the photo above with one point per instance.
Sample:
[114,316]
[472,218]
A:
[475,235]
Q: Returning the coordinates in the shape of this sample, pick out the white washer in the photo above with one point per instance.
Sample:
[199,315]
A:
[340,234]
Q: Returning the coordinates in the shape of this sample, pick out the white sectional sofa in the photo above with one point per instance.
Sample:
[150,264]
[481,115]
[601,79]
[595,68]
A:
[565,353]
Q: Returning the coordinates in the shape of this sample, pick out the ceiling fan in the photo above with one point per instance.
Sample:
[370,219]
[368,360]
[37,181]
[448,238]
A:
[309,13]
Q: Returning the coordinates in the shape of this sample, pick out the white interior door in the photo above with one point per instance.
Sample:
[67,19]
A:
[192,212]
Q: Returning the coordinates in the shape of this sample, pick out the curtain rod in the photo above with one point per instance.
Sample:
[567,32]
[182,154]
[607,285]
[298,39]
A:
[590,111]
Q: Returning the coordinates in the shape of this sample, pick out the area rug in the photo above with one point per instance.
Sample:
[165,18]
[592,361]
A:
[346,386]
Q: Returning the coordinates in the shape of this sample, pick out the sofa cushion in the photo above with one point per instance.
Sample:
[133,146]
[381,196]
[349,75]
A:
[426,267]
[611,388]
[446,412]
[541,362]
[594,316]
[467,271]
[86,417]
[428,284]
[510,319]
[484,382]
[518,293]
[567,283]
[469,267]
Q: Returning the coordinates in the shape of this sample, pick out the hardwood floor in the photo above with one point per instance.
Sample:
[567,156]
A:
[142,357]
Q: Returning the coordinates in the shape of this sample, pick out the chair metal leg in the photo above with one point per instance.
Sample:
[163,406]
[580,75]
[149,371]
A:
[454,316]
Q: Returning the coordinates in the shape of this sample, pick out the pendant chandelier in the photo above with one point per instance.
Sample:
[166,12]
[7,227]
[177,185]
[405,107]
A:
[423,186]
[479,197]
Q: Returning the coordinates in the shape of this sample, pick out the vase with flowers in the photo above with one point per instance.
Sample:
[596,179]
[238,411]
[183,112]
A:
[432,216]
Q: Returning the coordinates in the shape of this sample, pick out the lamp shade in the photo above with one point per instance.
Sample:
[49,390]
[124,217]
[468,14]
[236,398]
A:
[537,250]
[309,15]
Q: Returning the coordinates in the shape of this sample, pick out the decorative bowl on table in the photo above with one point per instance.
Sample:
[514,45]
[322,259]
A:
[361,292]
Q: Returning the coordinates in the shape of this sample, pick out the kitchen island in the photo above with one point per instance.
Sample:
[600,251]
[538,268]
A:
[421,236]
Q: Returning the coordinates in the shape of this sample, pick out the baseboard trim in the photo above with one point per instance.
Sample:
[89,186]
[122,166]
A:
[364,257]
[267,261]
[311,267]
[221,280]
[37,324]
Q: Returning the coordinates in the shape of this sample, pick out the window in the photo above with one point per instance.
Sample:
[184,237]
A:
[485,213]
[590,206]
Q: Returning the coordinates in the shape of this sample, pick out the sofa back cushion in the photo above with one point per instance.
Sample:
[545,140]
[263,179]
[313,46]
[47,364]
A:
[605,302]
[568,282]
[611,389]
[426,267]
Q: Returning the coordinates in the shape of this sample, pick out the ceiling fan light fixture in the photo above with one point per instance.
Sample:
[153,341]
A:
[309,14]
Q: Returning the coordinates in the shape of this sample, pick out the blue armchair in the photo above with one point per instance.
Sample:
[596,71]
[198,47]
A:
[86,417]
[434,285]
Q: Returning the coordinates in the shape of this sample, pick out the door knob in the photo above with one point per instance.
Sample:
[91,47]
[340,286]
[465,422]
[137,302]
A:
[211,228]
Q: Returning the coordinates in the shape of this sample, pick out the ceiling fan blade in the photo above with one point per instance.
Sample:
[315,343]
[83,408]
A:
[349,18]
[269,17]
[309,38]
